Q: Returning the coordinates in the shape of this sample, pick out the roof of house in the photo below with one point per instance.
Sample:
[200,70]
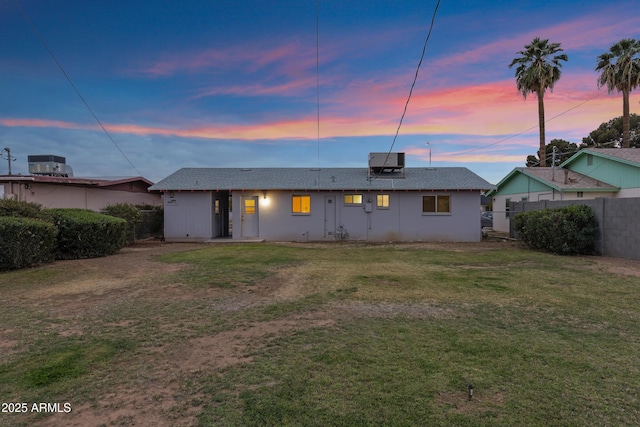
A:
[455,178]
[94,182]
[630,156]
[555,178]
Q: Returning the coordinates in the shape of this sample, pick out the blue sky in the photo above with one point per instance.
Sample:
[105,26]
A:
[233,84]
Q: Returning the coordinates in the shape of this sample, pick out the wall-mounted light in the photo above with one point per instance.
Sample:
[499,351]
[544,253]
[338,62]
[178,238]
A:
[265,200]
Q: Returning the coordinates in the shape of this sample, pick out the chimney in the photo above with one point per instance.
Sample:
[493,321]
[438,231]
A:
[566,176]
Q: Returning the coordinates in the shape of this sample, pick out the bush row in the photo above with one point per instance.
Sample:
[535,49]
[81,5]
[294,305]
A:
[32,235]
[25,241]
[130,214]
[571,230]
[87,234]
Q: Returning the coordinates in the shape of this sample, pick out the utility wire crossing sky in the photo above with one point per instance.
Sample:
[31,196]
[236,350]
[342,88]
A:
[238,84]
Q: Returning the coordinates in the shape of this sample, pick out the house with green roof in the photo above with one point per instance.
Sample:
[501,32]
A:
[589,174]
[384,202]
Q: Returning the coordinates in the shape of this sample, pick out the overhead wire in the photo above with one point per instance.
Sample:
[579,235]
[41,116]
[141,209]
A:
[415,78]
[318,76]
[529,129]
[66,75]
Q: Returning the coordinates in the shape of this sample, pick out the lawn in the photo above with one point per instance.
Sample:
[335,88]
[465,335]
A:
[322,334]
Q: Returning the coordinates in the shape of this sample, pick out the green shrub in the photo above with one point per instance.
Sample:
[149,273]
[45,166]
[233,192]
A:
[20,209]
[25,242]
[570,230]
[87,234]
[129,213]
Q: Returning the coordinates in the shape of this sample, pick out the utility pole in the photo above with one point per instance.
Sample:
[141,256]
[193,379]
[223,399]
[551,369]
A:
[9,157]
[553,164]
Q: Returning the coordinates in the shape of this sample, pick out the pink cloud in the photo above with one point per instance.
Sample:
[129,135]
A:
[291,57]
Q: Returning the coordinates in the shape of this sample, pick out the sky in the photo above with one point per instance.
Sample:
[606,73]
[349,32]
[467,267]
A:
[294,83]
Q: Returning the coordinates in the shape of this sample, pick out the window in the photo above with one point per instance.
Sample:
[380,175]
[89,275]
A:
[436,204]
[507,203]
[382,200]
[524,199]
[300,204]
[580,194]
[249,206]
[353,199]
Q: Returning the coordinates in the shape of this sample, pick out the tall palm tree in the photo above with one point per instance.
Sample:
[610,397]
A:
[620,69]
[538,70]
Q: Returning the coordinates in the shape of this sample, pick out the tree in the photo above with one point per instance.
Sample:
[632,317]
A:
[609,134]
[564,150]
[538,70]
[619,69]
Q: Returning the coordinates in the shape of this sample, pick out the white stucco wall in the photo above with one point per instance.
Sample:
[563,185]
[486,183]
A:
[188,216]
[403,220]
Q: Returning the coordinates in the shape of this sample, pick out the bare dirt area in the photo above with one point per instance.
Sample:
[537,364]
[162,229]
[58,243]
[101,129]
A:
[155,396]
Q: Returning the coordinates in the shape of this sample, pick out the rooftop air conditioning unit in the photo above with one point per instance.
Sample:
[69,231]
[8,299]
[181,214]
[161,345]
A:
[382,161]
[49,165]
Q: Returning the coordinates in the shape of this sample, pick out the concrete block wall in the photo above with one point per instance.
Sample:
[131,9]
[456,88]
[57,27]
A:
[618,223]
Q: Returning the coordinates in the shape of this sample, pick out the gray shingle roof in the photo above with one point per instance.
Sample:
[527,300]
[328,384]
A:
[574,181]
[630,156]
[454,178]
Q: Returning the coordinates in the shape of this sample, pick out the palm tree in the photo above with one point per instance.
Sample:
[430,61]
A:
[622,75]
[538,70]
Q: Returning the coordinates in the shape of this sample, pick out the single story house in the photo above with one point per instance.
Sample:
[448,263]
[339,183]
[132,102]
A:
[316,204]
[619,167]
[72,192]
[589,174]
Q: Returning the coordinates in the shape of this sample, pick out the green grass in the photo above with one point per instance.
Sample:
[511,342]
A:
[230,266]
[545,340]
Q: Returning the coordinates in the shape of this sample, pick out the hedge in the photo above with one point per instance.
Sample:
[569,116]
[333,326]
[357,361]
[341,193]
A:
[20,209]
[25,242]
[570,230]
[129,213]
[86,234]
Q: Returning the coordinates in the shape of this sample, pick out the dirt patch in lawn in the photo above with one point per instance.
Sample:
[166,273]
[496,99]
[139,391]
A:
[625,267]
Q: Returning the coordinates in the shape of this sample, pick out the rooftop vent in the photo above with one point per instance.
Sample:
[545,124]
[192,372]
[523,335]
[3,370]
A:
[49,165]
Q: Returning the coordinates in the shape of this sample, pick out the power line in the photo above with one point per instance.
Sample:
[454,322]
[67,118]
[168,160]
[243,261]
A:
[84,101]
[531,128]
[318,76]
[415,78]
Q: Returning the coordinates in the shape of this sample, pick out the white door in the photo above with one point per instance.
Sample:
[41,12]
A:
[249,219]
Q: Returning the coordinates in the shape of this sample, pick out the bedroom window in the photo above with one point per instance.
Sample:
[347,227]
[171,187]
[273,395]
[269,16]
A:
[382,201]
[300,204]
[436,204]
[352,199]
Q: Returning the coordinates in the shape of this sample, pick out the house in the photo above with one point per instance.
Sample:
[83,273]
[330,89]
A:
[589,174]
[619,167]
[388,203]
[53,191]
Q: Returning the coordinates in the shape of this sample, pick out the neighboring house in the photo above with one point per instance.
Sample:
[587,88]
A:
[619,167]
[303,204]
[72,192]
[590,173]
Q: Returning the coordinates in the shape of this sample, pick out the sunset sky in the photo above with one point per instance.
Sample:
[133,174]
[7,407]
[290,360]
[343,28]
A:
[233,83]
